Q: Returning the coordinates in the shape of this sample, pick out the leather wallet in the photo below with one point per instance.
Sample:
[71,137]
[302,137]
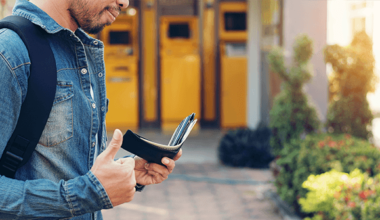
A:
[154,152]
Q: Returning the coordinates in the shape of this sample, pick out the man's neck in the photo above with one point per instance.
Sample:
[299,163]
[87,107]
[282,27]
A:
[58,10]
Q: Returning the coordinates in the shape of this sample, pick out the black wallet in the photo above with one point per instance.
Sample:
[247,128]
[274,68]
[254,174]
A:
[154,152]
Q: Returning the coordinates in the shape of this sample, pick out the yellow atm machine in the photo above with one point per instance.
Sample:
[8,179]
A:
[121,57]
[180,69]
[233,61]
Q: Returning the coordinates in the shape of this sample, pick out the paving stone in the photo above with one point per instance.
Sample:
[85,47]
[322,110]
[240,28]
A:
[201,188]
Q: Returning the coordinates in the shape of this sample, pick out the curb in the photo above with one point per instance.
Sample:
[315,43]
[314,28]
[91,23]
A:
[284,209]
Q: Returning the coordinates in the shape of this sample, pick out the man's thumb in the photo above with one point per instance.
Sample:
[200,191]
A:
[115,144]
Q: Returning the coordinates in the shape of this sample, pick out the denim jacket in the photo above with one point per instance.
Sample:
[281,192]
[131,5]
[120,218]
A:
[56,182]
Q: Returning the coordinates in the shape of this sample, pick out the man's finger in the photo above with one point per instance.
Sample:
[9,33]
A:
[157,177]
[129,161]
[115,144]
[158,169]
[179,154]
[121,160]
[170,164]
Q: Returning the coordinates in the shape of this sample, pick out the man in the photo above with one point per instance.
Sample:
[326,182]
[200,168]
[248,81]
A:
[71,174]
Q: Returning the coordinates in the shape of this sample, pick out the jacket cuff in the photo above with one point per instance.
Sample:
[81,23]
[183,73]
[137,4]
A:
[102,192]
[85,194]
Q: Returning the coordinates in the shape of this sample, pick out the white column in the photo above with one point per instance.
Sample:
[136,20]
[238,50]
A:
[254,33]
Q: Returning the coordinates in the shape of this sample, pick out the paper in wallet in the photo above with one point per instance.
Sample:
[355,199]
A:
[154,152]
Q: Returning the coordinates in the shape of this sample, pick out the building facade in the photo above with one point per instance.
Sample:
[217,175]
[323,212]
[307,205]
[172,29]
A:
[168,58]
[345,18]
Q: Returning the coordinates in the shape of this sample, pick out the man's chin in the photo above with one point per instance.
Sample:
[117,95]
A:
[95,30]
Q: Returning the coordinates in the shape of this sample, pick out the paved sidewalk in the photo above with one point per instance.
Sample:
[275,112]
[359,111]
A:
[201,189]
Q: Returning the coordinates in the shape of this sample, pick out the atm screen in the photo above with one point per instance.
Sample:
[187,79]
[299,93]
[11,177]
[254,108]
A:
[235,21]
[236,49]
[179,30]
[119,37]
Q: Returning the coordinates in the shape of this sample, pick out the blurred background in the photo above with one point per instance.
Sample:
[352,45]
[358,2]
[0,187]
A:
[168,58]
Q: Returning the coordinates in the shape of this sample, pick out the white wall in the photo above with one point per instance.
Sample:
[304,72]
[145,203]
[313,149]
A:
[309,17]
[338,23]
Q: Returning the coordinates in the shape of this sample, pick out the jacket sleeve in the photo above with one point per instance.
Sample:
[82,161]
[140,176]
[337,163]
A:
[39,198]
[45,199]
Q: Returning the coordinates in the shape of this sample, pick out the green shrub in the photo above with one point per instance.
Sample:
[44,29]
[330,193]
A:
[291,114]
[352,78]
[371,208]
[317,154]
[358,201]
[315,217]
[322,189]
[339,196]
[285,179]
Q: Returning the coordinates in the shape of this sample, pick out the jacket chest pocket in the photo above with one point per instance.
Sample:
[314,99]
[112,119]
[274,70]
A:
[59,126]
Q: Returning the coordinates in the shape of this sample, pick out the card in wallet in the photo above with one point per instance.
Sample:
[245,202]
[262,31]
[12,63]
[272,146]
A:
[154,152]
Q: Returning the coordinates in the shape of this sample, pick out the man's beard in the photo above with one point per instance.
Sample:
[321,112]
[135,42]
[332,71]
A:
[89,23]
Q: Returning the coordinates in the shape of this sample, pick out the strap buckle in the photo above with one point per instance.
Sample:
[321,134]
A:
[13,156]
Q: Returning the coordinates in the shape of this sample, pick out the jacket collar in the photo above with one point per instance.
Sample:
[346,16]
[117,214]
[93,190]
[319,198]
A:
[30,11]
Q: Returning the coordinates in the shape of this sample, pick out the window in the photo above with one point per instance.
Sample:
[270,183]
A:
[119,37]
[360,5]
[235,21]
[179,30]
[358,25]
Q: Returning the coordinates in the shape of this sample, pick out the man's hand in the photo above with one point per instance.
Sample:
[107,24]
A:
[151,173]
[117,177]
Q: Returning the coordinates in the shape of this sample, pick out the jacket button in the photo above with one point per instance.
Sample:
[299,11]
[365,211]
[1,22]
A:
[84,71]
[93,105]
[96,42]
[93,144]
[100,74]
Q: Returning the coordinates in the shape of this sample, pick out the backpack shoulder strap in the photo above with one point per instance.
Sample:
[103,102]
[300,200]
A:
[39,99]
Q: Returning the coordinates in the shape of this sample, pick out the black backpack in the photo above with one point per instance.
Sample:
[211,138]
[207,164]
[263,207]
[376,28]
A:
[38,103]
